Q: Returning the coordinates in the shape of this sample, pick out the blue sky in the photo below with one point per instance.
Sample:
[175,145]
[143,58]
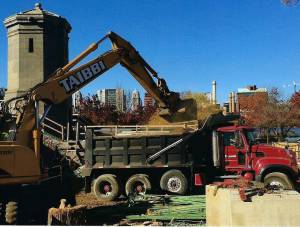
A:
[190,43]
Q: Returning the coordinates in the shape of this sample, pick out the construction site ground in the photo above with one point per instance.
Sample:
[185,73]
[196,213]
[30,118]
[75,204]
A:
[162,210]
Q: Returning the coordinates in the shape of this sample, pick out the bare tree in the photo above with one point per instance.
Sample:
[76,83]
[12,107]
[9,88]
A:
[274,114]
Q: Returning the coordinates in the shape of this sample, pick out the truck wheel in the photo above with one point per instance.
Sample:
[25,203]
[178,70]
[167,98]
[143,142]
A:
[106,187]
[278,179]
[174,181]
[138,184]
[11,213]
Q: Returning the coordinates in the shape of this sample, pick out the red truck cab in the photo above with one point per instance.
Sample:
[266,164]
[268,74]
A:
[242,155]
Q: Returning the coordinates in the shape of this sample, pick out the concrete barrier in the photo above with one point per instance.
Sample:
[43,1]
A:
[225,208]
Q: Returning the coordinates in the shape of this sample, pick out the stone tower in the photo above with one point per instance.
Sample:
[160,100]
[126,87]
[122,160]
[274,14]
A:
[37,46]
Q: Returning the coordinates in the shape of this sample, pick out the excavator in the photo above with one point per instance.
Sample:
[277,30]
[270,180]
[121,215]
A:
[20,161]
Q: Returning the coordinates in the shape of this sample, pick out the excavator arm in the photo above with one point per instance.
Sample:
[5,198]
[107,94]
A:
[65,81]
[64,84]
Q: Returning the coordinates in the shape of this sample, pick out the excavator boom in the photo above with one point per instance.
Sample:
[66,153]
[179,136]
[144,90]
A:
[66,81]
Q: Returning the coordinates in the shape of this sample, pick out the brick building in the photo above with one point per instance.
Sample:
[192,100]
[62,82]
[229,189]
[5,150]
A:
[247,97]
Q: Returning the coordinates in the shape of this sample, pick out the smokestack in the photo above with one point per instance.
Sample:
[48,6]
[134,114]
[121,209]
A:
[214,93]
[233,102]
[237,106]
[230,102]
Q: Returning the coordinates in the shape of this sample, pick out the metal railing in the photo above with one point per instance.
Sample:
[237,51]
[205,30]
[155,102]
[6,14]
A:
[51,126]
[63,133]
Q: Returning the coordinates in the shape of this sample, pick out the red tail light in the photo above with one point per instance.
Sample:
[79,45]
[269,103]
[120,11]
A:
[198,180]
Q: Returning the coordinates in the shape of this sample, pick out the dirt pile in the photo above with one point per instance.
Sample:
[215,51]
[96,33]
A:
[187,111]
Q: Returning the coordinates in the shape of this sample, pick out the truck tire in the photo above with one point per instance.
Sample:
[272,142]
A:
[279,179]
[11,213]
[106,187]
[174,181]
[137,184]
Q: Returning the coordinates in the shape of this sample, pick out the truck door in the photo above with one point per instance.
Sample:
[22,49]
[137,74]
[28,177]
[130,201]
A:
[234,150]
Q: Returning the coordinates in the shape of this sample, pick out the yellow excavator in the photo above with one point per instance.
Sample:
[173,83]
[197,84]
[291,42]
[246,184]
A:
[20,159]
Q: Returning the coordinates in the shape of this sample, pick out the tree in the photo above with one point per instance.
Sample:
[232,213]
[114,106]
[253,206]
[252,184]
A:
[98,113]
[105,114]
[295,109]
[274,114]
[295,99]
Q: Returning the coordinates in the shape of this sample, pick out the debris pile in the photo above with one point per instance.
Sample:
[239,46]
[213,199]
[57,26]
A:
[247,189]
[172,209]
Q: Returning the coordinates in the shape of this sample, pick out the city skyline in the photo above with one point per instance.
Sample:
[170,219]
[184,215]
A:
[117,97]
[233,95]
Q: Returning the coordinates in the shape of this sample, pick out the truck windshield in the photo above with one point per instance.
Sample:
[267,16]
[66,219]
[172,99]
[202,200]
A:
[250,137]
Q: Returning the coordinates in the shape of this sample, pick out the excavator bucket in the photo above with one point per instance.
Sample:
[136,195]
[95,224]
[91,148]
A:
[186,111]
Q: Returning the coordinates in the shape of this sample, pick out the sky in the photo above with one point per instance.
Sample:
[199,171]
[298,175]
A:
[189,43]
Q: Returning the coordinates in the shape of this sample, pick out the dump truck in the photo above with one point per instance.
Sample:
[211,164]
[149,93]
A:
[181,162]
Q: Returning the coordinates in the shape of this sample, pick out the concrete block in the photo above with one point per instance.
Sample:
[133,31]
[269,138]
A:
[225,208]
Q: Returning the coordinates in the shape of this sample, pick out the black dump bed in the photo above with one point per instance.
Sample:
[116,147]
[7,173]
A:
[187,148]
[111,152]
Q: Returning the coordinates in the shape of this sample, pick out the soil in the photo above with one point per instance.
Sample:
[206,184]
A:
[89,200]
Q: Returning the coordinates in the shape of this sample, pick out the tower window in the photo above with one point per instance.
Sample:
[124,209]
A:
[30,45]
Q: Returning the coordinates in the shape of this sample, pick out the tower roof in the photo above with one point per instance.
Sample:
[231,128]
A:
[38,10]
[37,14]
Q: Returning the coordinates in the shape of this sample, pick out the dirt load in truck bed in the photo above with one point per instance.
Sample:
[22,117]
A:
[121,131]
